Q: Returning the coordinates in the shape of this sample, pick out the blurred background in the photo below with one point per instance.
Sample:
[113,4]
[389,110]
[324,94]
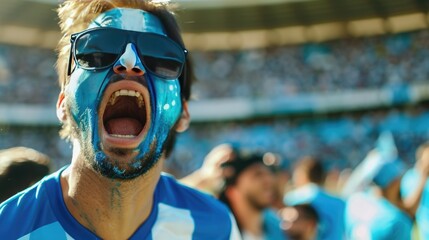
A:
[295,77]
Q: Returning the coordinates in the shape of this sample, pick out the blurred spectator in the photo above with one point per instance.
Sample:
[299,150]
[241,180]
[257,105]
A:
[308,177]
[21,167]
[249,191]
[281,176]
[300,222]
[208,178]
[415,190]
[378,213]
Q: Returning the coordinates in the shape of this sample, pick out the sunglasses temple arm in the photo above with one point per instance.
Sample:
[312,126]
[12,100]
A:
[69,64]
[183,75]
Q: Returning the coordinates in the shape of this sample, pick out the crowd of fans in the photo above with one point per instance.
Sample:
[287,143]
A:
[27,76]
[44,139]
[339,141]
[323,68]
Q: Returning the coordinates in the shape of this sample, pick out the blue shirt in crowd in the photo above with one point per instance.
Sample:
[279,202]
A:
[371,217]
[329,208]
[272,227]
[409,184]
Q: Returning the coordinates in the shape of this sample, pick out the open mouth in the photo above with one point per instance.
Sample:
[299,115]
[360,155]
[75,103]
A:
[125,114]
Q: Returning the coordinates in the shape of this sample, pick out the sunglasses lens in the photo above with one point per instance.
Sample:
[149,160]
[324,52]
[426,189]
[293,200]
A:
[94,50]
[160,55]
[165,68]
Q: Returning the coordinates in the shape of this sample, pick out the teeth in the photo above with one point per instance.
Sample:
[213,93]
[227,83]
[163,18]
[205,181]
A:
[122,136]
[130,93]
[140,101]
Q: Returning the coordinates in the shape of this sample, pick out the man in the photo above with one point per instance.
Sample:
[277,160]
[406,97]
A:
[378,212]
[125,83]
[308,177]
[415,190]
[249,192]
[21,167]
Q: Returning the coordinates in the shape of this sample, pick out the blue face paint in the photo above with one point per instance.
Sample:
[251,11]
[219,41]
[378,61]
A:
[86,88]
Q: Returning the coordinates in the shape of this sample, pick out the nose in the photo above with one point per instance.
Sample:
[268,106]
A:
[129,63]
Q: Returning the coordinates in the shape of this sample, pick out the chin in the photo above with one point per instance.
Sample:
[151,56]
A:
[112,169]
[121,164]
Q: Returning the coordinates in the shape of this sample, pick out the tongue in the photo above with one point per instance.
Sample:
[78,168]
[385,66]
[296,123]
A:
[124,126]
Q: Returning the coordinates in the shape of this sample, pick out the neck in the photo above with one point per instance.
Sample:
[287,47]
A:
[248,217]
[101,204]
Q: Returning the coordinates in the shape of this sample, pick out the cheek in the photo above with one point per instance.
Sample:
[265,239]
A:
[246,185]
[85,88]
[168,103]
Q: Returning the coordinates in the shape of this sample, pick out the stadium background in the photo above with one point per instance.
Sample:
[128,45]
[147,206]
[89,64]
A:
[319,77]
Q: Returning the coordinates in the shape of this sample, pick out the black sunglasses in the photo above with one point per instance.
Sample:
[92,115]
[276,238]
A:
[100,48]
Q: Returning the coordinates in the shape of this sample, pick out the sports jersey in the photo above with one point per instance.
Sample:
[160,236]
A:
[369,217]
[409,183]
[329,208]
[178,212]
[272,230]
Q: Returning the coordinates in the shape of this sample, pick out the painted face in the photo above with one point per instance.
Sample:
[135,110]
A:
[124,112]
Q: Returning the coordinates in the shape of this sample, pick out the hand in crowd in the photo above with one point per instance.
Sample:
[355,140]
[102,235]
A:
[209,176]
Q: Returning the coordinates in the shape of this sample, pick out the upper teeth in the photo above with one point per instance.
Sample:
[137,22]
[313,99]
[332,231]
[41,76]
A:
[124,92]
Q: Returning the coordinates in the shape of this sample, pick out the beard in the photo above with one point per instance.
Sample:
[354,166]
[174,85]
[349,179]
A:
[111,167]
[255,202]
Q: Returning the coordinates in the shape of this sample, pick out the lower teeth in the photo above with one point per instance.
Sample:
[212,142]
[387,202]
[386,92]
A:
[122,136]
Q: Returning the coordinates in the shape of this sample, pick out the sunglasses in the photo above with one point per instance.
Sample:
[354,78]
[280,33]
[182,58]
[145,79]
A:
[100,48]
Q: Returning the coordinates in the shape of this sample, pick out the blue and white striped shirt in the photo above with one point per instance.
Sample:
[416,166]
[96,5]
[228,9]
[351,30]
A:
[178,212]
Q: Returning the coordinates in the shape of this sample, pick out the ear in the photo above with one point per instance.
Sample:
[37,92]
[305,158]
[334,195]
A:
[185,118]
[61,109]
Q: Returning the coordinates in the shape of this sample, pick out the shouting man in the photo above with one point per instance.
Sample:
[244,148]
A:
[125,81]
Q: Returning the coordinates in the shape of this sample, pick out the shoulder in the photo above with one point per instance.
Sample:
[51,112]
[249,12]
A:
[314,195]
[202,212]
[330,199]
[391,223]
[27,210]
[174,193]
[304,194]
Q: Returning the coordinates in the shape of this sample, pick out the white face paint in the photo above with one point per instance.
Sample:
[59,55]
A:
[129,58]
